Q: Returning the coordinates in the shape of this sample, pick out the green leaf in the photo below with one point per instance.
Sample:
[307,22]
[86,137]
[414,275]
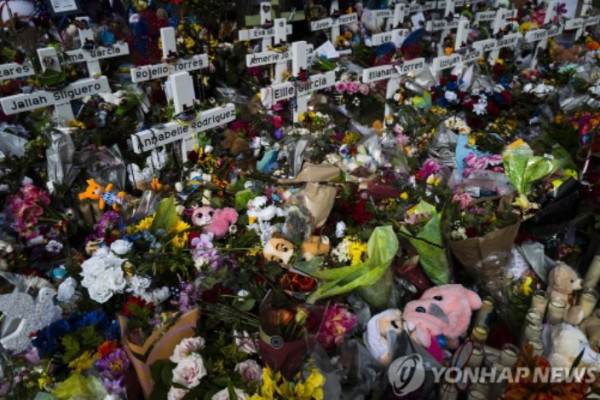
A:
[72,348]
[165,216]
[167,373]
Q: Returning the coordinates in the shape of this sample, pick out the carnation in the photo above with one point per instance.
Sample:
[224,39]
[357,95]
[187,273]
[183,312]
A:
[249,370]
[121,247]
[176,393]
[186,348]
[224,394]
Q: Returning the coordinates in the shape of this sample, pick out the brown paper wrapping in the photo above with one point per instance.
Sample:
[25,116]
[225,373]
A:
[319,201]
[314,173]
[159,346]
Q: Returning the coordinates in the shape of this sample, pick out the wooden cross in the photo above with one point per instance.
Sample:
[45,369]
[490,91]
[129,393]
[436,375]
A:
[510,40]
[266,32]
[393,74]
[334,23]
[300,88]
[182,90]
[541,35]
[393,33]
[169,50]
[61,98]
[90,53]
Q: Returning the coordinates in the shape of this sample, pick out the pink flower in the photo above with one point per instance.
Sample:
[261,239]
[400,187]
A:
[398,129]
[465,199]
[244,342]
[176,393]
[189,371]
[337,322]
[341,87]
[186,348]
[402,140]
[364,89]
[430,166]
[224,394]
[249,370]
[353,87]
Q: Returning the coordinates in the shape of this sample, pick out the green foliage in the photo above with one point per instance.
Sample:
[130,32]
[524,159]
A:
[82,339]
[165,216]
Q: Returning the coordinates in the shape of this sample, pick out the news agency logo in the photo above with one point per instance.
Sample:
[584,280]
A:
[406,374]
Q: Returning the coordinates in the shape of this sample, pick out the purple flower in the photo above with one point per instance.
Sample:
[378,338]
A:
[114,365]
[114,386]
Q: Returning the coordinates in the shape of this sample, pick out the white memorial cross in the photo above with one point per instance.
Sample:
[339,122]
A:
[334,23]
[393,74]
[509,40]
[300,88]
[95,53]
[279,58]
[541,35]
[15,70]
[61,98]
[266,34]
[579,23]
[169,47]
[446,25]
[182,89]
[393,32]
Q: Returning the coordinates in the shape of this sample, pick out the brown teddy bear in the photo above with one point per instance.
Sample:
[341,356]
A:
[562,282]
[560,53]
[235,144]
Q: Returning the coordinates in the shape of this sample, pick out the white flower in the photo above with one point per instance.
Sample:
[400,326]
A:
[186,348]
[224,394]
[115,278]
[259,201]
[189,371]
[112,261]
[156,296]
[54,247]
[450,96]
[249,370]
[479,108]
[244,342]
[99,291]
[92,266]
[176,393]
[200,262]
[138,284]
[121,247]
[66,290]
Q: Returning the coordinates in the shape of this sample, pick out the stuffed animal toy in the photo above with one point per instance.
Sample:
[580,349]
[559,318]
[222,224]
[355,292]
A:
[560,53]
[235,144]
[222,220]
[436,321]
[377,336]
[566,343]
[562,282]
[441,316]
[202,216]
[279,249]
[591,327]
[104,196]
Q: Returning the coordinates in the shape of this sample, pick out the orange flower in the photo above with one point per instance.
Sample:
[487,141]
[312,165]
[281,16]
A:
[378,126]
[106,348]
[286,316]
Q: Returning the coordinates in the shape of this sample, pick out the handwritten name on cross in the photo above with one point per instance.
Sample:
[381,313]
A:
[334,24]
[182,88]
[169,48]
[393,33]
[580,23]
[392,73]
[61,98]
[266,32]
[299,89]
[92,54]
[540,36]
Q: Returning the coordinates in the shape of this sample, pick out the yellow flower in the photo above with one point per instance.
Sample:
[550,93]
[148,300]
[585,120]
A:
[181,239]
[144,224]
[569,173]
[404,196]
[254,251]
[412,210]
[189,43]
[45,382]
[83,362]
[471,141]
[357,250]
[302,117]
[269,384]
[499,61]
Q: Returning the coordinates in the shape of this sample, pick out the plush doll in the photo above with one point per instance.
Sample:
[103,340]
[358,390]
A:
[441,316]
[279,249]
[562,282]
[566,343]
[591,327]
[104,196]
[235,144]
[560,53]
[214,221]
[202,216]
[377,335]
[436,321]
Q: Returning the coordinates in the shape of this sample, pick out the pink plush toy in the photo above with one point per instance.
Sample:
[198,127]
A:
[222,220]
[202,216]
[443,313]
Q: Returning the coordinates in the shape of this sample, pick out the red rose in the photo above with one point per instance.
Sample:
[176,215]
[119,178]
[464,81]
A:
[471,232]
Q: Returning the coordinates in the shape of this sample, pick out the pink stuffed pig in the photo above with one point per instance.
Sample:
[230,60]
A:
[441,311]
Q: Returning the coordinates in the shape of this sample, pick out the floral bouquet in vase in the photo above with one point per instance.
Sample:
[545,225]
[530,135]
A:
[287,335]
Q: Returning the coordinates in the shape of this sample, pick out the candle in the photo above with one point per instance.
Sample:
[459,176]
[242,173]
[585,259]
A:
[593,273]
[587,301]
[479,334]
[539,302]
[476,358]
[508,356]
[556,310]
[532,318]
[485,312]
[448,392]
[537,346]
[480,386]
[532,331]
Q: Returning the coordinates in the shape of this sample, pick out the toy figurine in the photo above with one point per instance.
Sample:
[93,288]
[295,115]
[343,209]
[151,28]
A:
[104,196]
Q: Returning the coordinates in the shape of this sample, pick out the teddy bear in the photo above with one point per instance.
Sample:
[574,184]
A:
[435,321]
[591,327]
[560,53]
[566,344]
[562,282]
[214,221]
[235,144]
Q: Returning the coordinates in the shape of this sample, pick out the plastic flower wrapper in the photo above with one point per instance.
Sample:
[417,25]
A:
[287,335]
[428,243]
[78,387]
[523,168]
[372,278]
